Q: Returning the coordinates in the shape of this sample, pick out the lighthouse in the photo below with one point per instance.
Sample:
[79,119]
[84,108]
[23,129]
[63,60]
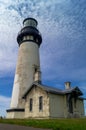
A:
[32,99]
[28,66]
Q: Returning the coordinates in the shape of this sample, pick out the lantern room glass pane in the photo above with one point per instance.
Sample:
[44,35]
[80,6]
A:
[30,22]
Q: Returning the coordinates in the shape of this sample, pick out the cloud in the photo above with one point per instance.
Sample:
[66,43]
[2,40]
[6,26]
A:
[4,105]
[62,24]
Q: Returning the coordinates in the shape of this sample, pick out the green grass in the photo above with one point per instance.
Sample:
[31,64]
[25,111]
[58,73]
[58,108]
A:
[54,124]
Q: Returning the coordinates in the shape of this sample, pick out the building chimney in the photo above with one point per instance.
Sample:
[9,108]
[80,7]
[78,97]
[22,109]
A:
[37,76]
[67,85]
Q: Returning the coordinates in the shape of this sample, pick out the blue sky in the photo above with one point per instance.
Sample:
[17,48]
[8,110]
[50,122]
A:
[62,24]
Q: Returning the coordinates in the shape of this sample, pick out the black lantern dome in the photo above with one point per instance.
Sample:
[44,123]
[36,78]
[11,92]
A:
[29,32]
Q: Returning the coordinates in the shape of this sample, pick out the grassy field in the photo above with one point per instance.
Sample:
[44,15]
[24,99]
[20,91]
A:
[54,124]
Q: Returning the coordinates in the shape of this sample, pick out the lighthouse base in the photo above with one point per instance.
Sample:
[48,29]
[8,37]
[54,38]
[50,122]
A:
[16,113]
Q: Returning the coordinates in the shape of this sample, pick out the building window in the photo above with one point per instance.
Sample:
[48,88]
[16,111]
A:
[31,104]
[40,103]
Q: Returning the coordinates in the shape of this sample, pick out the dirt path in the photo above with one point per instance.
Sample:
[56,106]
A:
[16,127]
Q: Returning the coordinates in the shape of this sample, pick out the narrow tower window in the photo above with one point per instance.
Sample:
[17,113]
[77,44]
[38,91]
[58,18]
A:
[31,104]
[40,103]
[35,69]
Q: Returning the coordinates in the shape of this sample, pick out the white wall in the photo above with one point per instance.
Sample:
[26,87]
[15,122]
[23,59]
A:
[56,105]
[35,93]
[80,107]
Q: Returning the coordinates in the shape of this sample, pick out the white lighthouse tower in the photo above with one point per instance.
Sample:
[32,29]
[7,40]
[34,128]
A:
[28,66]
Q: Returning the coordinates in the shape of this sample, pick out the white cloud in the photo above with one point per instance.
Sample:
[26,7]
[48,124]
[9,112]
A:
[63,48]
[4,105]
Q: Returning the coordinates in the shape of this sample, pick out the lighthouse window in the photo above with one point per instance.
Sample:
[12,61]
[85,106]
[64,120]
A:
[29,37]
[25,38]
[30,23]
[36,40]
[31,104]
[35,70]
